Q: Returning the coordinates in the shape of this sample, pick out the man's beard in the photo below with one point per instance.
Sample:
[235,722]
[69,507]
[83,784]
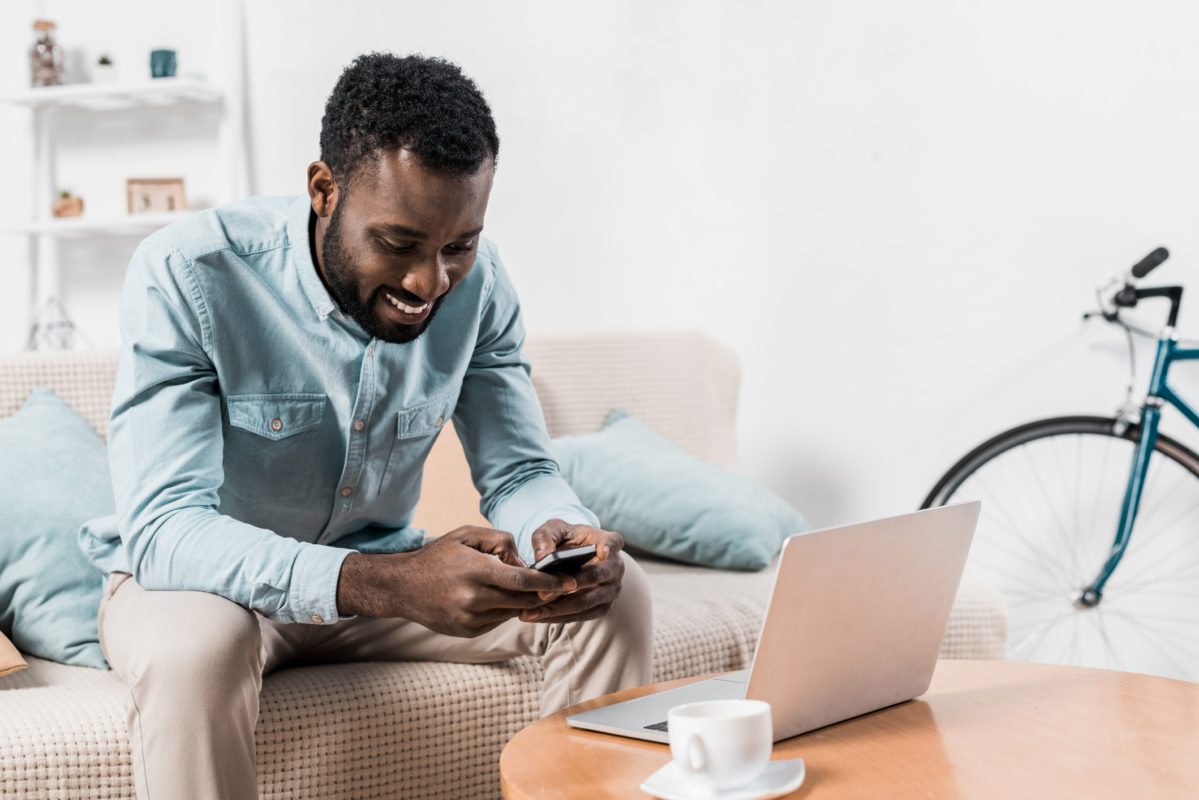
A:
[347,293]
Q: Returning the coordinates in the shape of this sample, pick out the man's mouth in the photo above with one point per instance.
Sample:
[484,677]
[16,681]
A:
[402,306]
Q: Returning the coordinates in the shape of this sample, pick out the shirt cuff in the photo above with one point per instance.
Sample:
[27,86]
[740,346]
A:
[312,596]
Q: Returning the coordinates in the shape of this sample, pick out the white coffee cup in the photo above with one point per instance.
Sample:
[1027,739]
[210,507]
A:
[721,744]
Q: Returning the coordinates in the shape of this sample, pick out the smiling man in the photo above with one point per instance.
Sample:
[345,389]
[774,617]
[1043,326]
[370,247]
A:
[286,365]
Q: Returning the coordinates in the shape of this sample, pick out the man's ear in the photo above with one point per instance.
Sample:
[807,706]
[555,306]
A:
[322,188]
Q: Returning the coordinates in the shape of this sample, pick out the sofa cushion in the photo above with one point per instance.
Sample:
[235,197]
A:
[10,659]
[668,503]
[53,477]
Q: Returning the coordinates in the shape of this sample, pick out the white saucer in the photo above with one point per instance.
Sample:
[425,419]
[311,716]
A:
[779,778]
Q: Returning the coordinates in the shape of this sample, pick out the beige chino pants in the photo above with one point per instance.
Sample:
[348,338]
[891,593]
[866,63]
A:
[199,658]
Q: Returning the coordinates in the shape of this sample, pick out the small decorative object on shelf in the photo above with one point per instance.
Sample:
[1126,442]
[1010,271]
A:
[104,71]
[162,63]
[67,205]
[45,57]
[148,195]
[53,329]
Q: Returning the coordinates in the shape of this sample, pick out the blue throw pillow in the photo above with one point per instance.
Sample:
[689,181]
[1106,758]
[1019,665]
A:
[668,503]
[53,477]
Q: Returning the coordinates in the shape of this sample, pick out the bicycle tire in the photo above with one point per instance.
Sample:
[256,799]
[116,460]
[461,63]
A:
[1044,533]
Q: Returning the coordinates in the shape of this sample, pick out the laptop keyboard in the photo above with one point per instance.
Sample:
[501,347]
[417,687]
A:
[657,726]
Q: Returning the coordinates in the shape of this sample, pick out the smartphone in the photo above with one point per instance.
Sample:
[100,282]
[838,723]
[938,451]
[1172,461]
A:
[568,560]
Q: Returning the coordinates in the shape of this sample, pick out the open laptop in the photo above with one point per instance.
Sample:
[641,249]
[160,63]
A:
[855,623]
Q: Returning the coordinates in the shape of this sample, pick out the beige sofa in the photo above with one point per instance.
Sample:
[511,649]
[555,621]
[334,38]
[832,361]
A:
[413,730]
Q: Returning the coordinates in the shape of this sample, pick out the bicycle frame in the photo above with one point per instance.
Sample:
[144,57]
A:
[1159,393]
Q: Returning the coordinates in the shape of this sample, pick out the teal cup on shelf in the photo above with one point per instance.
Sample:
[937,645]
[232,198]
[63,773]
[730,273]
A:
[162,63]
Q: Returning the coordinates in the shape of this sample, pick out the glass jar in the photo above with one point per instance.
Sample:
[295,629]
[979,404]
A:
[45,57]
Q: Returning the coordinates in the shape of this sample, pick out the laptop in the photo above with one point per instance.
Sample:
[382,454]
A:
[855,624]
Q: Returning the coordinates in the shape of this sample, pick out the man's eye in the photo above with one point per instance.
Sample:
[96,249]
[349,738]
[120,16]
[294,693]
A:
[397,248]
[460,248]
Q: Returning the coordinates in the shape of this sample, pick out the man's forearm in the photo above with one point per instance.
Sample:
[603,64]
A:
[357,590]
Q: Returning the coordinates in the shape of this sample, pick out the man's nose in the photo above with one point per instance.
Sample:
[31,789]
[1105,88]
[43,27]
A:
[427,280]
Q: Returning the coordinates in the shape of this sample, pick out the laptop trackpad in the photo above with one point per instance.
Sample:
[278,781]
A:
[645,717]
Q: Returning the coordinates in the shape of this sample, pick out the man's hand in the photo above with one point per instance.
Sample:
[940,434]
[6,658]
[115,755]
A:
[599,579]
[452,585]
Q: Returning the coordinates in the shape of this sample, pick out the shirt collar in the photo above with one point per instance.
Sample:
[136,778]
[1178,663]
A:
[301,256]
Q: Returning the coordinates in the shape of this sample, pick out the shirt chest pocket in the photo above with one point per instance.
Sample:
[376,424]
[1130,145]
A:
[276,416]
[416,429]
[272,446]
[427,419]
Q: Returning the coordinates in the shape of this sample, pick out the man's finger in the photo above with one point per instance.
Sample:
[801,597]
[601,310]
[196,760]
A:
[522,579]
[573,605]
[549,537]
[608,544]
[595,573]
[492,542]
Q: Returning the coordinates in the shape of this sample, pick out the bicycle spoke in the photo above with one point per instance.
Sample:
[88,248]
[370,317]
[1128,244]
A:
[1107,450]
[1156,532]
[1041,630]
[1140,573]
[1189,645]
[1075,567]
[1141,615]
[1041,596]
[1038,550]
[1074,653]
[1069,532]
[1045,493]
[1143,630]
[1101,625]
[1143,520]
[997,514]
[1156,587]
[1019,579]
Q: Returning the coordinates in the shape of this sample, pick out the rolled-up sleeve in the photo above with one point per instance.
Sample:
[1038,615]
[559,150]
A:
[499,420]
[166,450]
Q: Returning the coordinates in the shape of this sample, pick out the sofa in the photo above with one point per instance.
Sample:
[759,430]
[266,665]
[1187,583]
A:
[430,730]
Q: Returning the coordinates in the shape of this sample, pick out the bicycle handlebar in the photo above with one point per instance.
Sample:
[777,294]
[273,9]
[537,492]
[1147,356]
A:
[1150,262]
[1120,292]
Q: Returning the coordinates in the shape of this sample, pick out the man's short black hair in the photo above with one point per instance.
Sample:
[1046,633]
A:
[426,105]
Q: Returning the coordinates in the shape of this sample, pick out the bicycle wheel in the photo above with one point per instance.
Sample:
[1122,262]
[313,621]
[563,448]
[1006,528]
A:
[1051,494]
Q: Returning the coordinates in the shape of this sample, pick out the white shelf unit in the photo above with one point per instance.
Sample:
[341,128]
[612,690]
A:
[109,96]
[84,226]
[44,230]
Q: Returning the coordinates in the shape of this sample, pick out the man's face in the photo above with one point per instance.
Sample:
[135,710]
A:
[399,240]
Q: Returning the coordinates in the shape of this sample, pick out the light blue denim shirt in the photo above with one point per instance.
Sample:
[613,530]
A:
[258,436]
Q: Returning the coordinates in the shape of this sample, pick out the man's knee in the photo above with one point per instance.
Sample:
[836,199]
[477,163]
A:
[196,641]
[634,587]
[632,612]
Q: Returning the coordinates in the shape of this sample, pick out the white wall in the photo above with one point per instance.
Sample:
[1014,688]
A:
[895,213]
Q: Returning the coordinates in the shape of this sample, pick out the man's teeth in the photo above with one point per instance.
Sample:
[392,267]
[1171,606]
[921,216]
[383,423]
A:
[407,309]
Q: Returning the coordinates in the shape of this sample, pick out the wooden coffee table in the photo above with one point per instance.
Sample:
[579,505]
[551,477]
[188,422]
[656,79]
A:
[984,729]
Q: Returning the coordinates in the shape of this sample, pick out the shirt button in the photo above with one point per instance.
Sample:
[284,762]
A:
[276,424]
[368,350]
[359,425]
[439,421]
[317,619]
[346,492]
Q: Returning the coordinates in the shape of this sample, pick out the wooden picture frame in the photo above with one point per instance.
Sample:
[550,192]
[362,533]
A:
[155,195]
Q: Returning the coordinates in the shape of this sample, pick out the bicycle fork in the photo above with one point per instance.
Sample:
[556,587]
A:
[1151,414]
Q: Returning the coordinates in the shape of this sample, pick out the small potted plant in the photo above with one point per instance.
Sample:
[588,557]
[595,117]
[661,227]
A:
[67,205]
[104,71]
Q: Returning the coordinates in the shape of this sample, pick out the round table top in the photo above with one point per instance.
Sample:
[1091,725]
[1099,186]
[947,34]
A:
[983,729]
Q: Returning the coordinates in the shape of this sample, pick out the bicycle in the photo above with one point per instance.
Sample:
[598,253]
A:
[1098,564]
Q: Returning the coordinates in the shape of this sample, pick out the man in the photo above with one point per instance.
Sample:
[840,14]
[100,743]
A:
[285,367]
